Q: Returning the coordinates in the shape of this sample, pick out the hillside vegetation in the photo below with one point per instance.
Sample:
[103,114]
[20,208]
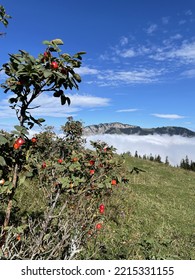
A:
[151,217]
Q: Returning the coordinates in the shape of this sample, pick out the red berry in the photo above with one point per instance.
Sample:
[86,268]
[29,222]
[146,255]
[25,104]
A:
[64,71]
[47,54]
[92,172]
[20,141]
[18,237]
[101,208]
[98,226]
[92,162]
[44,165]
[105,148]
[60,160]
[75,159]
[16,146]
[113,182]
[34,140]
[54,65]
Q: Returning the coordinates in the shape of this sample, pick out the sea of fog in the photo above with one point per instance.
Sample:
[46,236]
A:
[175,147]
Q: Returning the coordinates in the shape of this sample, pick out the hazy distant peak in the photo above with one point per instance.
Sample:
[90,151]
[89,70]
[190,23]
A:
[120,128]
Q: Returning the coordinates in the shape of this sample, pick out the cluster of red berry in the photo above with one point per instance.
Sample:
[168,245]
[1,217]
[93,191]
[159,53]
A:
[20,141]
[47,56]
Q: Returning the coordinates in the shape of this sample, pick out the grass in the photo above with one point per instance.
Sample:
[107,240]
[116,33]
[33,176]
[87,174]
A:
[150,217]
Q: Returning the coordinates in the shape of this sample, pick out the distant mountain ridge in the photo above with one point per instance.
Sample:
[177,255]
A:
[120,128]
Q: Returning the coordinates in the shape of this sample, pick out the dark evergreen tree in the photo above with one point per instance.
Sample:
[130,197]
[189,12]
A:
[158,159]
[166,160]
[136,154]
[151,158]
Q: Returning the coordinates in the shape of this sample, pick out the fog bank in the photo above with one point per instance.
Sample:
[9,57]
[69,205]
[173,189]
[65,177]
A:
[175,147]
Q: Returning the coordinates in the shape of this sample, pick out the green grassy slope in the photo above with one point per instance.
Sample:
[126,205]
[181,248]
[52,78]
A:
[151,217]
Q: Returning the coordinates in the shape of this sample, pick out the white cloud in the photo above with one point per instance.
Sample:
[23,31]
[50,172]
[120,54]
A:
[175,147]
[186,52]
[126,110]
[169,116]
[127,53]
[115,78]
[189,73]
[174,53]
[89,101]
[182,21]
[5,110]
[142,50]
[169,42]
[172,48]
[165,20]
[188,13]
[176,36]
[123,41]
[3,76]
[86,71]
[51,106]
[151,29]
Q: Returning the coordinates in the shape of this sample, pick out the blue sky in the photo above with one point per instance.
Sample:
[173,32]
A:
[139,67]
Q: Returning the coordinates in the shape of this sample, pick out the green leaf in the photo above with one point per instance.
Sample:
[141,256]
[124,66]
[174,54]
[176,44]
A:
[24,52]
[15,132]
[108,185]
[47,74]
[58,93]
[68,101]
[22,180]
[21,229]
[77,77]
[3,140]
[10,185]
[63,99]
[7,89]
[18,128]
[64,180]
[75,63]
[60,75]
[2,161]
[21,129]
[66,56]
[57,42]
[47,237]
[45,42]
[41,120]
[81,53]
[30,124]
[3,189]
[13,100]
[77,56]
[52,49]
[15,58]
[28,174]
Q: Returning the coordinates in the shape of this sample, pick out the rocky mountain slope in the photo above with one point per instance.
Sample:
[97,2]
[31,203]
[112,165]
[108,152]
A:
[120,128]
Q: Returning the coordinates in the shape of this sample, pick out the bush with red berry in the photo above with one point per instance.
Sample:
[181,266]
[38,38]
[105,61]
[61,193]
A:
[73,183]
